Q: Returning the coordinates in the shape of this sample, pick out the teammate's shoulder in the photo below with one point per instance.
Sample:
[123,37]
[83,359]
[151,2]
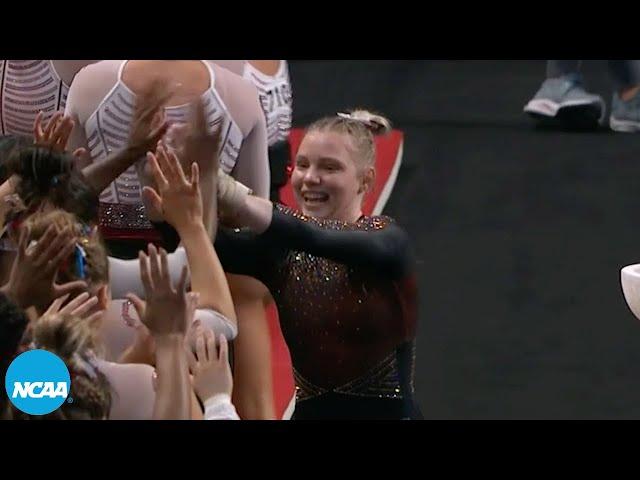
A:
[229,77]
[99,67]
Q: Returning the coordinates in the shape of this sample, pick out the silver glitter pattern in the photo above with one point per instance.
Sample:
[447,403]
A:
[107,131]
[275,98]
[125,216]
[381,381]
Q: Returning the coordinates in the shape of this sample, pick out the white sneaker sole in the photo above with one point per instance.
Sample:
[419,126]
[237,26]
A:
[626,126]
[549,108]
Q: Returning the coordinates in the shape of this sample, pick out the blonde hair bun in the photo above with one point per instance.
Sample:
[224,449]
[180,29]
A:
[377,124]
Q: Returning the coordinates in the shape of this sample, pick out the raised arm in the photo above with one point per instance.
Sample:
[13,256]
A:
[384,246]
[180,202]
[147,128]
[167,314]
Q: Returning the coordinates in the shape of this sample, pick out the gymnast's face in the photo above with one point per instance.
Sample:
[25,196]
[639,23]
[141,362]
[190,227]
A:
[326,180]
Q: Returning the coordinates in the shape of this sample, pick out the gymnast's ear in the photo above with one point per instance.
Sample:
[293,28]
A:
[368,180]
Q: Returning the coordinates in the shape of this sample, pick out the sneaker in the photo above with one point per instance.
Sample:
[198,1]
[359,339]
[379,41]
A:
[625,116]
[563,102]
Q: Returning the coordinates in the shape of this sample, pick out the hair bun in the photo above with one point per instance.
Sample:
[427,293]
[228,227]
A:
[377,124]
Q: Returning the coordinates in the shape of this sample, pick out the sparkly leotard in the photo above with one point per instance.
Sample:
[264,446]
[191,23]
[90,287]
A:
[107,129]
[101,105]
[276,100]
[27,87]
[31,86]
[347,299]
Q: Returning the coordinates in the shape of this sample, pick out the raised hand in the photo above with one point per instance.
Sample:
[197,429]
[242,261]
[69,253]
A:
[80,306]
[55,135]
[210,365]
[147,128]
[32,278]
[192,142]
[177,198]
[149,124]
[168,310]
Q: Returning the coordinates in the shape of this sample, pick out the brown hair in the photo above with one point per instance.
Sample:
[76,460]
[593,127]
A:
[361,126]
[46,175]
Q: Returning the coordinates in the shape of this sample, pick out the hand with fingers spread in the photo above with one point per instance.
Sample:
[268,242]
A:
[173,390]
[32,278]
[148,125]
[180,202]
[80,306]
[194,143]
[176,197]
[143,349]
[210,365]
[168,310]
[56,133]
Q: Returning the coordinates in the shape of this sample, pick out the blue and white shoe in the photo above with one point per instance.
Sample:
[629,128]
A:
[625,116]
[563,102]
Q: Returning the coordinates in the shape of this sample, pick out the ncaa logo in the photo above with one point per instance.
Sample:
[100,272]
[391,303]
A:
[37,382]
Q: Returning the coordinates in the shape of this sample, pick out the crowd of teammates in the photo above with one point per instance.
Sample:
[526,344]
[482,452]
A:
[143,240]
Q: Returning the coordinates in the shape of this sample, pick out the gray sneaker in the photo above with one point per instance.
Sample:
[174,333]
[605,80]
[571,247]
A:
[563,102]
[625,116]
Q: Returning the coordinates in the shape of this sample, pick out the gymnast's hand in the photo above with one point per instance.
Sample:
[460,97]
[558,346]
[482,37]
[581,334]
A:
[177,198]
[32,278]
[192,142]
[80,306]
[169,310]
[149,125]
[55,135]
[210,365]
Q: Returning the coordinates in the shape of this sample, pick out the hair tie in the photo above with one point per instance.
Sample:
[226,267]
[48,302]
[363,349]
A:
[353,118]
[81,263]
